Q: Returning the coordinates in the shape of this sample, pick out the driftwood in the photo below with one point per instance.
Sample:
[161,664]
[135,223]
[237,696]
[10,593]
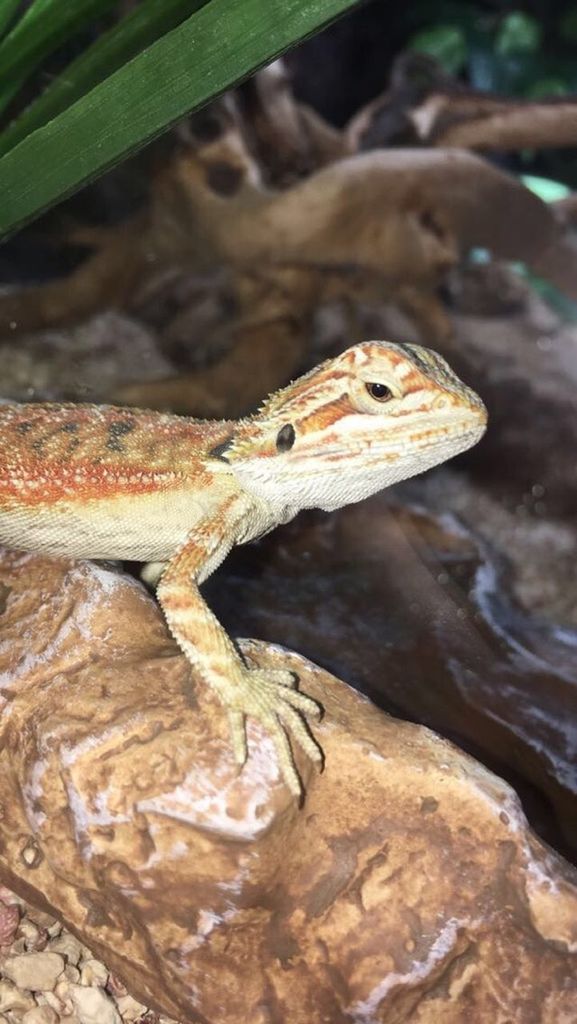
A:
[271,212]
[425,106]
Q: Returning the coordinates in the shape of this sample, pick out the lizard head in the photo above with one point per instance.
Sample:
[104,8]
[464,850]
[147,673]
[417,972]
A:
[376,414]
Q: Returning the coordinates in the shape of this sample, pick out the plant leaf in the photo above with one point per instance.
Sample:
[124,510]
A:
[211,51]
[113,48]
[8,10]
[41,30]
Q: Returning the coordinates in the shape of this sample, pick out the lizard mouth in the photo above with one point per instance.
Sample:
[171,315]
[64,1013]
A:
[451,439]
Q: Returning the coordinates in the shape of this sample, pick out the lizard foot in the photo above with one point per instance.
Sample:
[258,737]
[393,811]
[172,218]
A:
[271,697]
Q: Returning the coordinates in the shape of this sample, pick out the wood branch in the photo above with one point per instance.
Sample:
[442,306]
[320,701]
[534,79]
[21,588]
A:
[425,106]
[288,139]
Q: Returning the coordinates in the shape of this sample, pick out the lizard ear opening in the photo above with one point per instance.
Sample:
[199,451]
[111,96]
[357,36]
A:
[220,450]
[285,438]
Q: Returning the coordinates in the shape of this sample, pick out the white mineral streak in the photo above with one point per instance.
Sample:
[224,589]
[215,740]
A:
[210,801]
[368,1011]
[84,816]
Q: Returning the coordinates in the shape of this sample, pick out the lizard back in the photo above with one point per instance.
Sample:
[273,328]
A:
[102,481]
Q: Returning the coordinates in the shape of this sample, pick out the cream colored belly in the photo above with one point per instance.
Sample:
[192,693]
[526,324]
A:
[142,528]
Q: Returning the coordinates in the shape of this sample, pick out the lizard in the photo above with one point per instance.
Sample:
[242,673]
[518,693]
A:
[176,493]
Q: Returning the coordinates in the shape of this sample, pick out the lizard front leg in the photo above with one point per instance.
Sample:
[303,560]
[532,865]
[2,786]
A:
[265,694]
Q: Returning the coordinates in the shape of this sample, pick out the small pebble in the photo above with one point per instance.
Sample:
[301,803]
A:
[68,947]
[116,987]
[51,999]
[42,919]
[36,972]
[62,992]
[77,978]
[93,1006]
[12,999]
[9,919]
[40,1015]
[32,934]
[93,972]
[129,1008]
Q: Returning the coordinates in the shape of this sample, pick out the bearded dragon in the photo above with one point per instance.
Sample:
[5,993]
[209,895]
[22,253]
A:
[100,482]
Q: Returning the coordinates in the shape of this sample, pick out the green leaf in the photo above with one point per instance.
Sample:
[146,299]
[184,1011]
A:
[8,10]
[446,43]
[223,42]
[519,33]
[113,49]
[41,30]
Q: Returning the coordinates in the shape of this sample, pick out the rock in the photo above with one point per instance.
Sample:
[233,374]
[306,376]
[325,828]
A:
[129,1008]
[40,1015]
[101,353]
[9,918]
[35,937]
[43,920]
[68,947]
[12,1000]
[93,1006]
[408,887]
[36,972]
[62,993]
[94,973]
[416,610]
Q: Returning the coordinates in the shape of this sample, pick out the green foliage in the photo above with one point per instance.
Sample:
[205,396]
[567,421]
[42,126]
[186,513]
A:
[41,30]
[446,43]
[8,9]
[113,49]
[505,51]
[517,33]
[165,60]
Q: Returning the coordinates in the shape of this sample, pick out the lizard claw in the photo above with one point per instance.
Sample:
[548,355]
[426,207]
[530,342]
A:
[271,697]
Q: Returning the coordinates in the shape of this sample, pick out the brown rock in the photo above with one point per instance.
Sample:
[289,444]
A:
[408,888]
[416,610]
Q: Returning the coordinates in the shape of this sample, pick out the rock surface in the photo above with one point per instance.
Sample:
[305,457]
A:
[408,888]
[416,610]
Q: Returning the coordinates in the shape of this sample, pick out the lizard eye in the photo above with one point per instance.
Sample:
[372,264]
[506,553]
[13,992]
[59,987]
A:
[285,438]
[380,392]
